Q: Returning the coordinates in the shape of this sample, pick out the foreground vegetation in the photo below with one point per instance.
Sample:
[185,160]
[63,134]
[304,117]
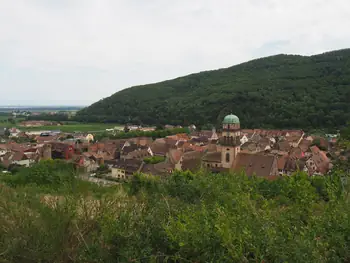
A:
[281,91]
[48,215]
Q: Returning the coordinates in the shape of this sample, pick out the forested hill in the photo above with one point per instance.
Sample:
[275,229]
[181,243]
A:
[282,91]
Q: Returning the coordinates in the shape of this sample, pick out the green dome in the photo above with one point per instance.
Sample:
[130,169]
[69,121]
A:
[230,119]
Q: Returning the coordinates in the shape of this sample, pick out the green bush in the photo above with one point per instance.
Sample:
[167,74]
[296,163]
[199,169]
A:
[154,159]
[186,217]
[48,172]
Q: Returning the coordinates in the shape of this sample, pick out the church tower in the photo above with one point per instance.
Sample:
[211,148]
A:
[230,140]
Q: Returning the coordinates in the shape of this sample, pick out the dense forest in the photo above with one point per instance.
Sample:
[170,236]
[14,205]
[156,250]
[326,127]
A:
[282,91]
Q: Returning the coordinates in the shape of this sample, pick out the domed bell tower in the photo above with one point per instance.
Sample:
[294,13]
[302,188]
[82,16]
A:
[230,140]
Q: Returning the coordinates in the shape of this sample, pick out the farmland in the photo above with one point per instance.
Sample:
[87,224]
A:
[74,127]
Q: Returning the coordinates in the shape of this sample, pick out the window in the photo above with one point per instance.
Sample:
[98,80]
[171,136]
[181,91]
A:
[208,165]
[227,157]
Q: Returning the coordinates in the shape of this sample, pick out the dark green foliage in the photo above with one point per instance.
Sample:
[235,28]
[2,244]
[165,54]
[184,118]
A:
[282,91]
[345,133]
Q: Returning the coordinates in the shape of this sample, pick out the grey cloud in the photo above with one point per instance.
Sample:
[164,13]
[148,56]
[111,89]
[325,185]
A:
[46,44]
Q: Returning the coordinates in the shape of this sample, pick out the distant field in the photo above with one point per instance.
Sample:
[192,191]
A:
[4,123]
[81,127]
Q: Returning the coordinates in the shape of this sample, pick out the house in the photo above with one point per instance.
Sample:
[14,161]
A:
[125,168]
[45,139]
[200,141]
[171,142]
[251,147]
[4,148]
[318,163]
[159,169]
[192,127]
[148,129]
[294,140]
[89,138]
[139,153]
[281,163]
[160,147]
[130,150]
[244,139]
[283,146]
[214,135]
[142,141]
[256,164]
[212,160]
[204,134]
[14,132]
[247,133]
[61,150]
[174,156]
[16,158]
[179,137]
[190,161]
[305,144]
[88,163]
[294,164]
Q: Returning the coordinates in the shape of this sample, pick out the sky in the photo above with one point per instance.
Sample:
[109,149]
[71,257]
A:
[76,52]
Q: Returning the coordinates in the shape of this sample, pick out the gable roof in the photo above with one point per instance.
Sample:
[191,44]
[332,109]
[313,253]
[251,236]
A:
[129,165]
[258,164]
[293,164]
[305,144]
[175,156]
[281,161]
[191,161]
[283,146]
[320,159]
[212,157]
[160,148]
[18,156]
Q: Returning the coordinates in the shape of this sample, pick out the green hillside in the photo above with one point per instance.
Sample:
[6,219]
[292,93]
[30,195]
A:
[282,91]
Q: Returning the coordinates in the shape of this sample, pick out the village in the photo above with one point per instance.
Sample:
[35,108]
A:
[260,152]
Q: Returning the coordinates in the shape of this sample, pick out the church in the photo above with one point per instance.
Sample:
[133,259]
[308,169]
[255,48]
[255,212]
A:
[227,156]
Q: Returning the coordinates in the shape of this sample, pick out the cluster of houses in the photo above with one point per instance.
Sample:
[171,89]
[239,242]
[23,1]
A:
[265,153]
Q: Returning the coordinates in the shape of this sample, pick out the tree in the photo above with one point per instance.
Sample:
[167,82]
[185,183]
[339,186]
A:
[345,132]
[7,132]
[126,128]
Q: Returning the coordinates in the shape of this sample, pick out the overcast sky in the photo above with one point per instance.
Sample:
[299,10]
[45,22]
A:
[67,52]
